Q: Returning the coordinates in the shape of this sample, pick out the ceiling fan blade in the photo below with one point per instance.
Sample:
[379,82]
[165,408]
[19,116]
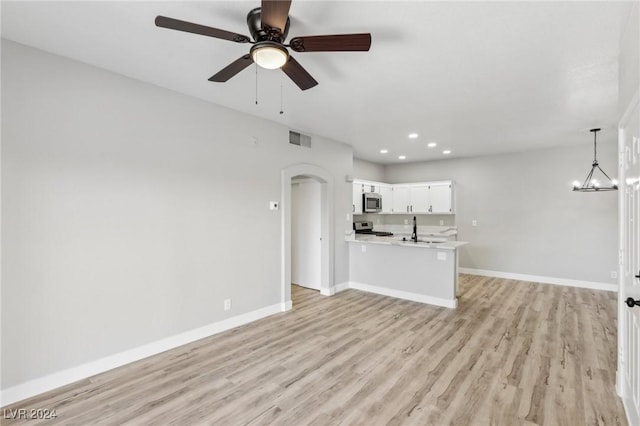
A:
[176,24]
[232,69]
[274,13]
[299,75]
[332,43]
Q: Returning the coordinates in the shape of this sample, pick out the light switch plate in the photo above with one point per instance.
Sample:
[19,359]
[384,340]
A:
[364,248]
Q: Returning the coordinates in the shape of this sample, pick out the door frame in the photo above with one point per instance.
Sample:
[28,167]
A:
[326,202]
[623,219]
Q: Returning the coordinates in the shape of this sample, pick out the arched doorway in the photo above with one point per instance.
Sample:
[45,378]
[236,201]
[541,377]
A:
[326,218]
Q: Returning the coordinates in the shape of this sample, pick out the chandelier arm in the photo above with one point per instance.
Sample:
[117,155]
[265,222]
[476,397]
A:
[588,179]
[606,175]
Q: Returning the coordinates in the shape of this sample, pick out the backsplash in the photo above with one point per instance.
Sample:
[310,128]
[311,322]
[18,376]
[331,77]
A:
[399,219]
[426,224]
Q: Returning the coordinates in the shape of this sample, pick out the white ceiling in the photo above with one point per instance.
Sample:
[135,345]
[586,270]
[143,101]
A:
[476,77]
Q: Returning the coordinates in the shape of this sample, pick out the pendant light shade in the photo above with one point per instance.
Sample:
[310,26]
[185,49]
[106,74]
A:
[594,182]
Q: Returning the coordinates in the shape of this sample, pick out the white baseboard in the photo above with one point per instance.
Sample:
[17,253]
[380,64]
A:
[73,374]
[341,287]
[541,279]
[286,306]
[415,297]
[327,291]
[633,415]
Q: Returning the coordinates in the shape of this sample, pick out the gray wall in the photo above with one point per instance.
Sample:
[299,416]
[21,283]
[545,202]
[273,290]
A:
[529,220]
[367,170]
[131,212]
[629,66]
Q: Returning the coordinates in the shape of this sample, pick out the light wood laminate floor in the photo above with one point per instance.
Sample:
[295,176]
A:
[513,353]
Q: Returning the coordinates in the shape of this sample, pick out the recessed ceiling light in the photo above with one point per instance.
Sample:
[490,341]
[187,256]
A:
[446,152]
[432,144]
[383,151]
[413,135]
[401,157]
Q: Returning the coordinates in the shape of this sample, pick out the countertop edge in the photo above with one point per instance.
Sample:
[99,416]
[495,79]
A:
[447,245]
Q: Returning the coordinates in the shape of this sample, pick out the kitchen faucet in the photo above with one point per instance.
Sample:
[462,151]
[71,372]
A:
[414,235]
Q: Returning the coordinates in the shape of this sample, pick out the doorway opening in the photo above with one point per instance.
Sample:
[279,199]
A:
[306,232]
[307,229]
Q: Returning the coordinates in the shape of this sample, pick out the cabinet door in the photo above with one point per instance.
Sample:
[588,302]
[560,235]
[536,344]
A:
[356,207]
[386,192]
[419,197]
[401,199]
[440,198]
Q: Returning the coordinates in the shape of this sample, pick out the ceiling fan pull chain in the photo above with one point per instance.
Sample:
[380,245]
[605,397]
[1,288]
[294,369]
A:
[256,84]
[281,102]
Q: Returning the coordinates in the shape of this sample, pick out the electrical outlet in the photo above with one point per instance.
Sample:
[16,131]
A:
[474,222]
[614,275]
[406,221]
[442,255]
[364,248]
[441,222]
[348,217]
[273,205]
[227,304]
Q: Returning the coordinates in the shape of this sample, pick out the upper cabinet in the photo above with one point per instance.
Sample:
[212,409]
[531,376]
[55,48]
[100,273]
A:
[386,191]
[441,198]
[418,198]
[401,199]
[411,198]
[358,190]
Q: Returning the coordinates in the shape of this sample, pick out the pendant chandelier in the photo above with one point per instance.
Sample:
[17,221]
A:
[591,183]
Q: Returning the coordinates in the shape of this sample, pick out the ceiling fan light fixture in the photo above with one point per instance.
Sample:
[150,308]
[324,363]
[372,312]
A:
[269,55]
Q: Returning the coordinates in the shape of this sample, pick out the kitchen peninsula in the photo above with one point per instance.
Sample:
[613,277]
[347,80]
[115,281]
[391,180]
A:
[424,271]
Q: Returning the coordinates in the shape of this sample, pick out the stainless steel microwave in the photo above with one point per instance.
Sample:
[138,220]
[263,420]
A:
[371,202]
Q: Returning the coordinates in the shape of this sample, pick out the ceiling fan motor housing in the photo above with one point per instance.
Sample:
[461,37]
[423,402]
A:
[254,22]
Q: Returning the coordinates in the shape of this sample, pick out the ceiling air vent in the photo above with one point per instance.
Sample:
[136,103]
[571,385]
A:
[296,138]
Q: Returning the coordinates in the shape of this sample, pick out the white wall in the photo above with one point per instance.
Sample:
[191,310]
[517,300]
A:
[306,224]
[529,220]
[367,170]
[131,212]
[629,66]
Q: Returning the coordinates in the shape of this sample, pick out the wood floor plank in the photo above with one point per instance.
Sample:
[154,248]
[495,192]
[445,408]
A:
[512,353]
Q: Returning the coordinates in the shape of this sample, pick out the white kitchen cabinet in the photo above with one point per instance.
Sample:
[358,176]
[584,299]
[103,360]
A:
[440,198]
[419,198]
[401,199]
[386,191]
[407,198]
[371,187]
[412,198]
[358,190]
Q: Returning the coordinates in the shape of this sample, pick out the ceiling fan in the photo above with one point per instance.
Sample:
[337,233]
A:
[269,26]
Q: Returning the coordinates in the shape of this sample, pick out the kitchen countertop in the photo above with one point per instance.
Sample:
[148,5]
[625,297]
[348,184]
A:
[396,240]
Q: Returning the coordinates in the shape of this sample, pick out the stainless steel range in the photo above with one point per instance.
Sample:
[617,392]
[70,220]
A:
[367,228]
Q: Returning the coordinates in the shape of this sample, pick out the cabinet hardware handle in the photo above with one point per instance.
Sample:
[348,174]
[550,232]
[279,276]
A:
[631,303]
[638,276]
